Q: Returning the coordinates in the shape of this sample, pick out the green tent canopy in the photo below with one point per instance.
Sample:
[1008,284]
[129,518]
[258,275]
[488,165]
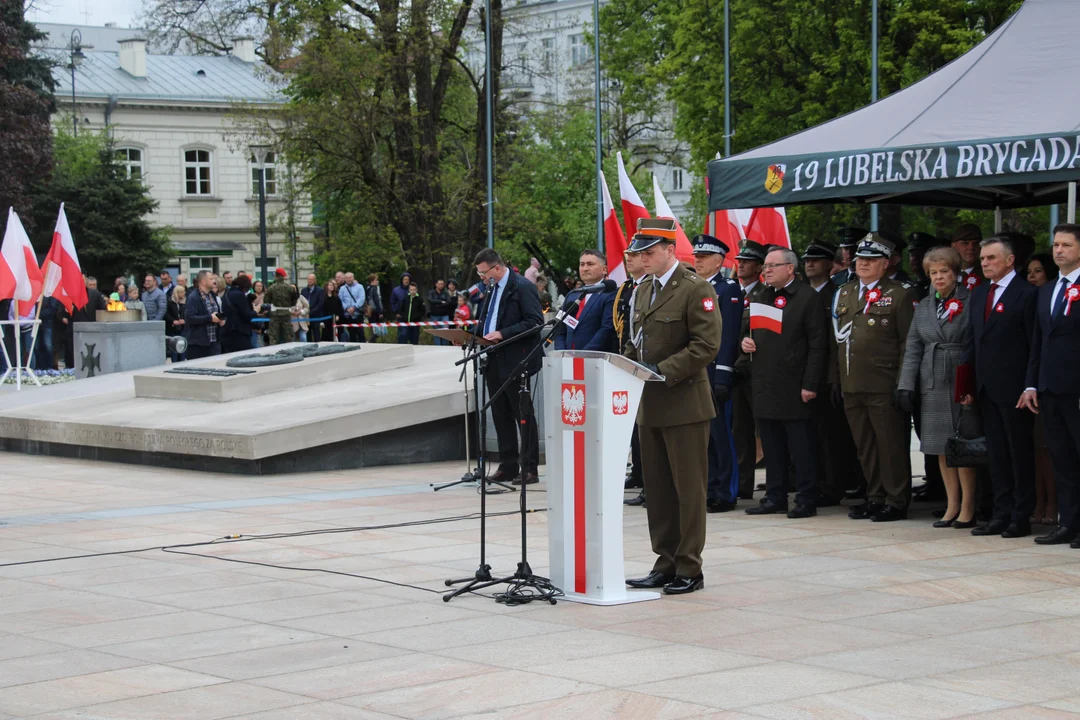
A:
[997,127]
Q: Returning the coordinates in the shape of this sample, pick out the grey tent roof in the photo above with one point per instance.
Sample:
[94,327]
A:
[1014,85]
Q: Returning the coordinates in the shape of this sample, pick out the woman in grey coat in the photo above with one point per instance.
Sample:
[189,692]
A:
[935,346]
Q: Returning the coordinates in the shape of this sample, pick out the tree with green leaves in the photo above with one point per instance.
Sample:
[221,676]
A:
[26,101]
[108,211]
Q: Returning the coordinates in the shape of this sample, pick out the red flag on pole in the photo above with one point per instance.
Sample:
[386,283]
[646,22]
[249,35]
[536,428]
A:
[614,240]
[632,207]
[62,273]
[683,250]
[20,276]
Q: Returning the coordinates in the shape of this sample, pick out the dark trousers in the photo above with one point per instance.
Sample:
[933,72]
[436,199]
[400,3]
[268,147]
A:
[194,352]
[408,335]
[1010,441]
[506,415]
[783,441]
[635,456]
[838,462]
[676,475]
[69,345]
[742,429]
[236,342]
[723,470]
[314,332]
[881,434]
[1061,420]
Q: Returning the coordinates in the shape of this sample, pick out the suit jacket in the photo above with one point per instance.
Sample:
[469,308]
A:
[316,298]
[88,313]
[742,363]
[196,320]
[729,298]
[680,333]
[843,277]
[794,360]
[595,327]
[827,293]
[519,310]
[1000,346]
[1055,347]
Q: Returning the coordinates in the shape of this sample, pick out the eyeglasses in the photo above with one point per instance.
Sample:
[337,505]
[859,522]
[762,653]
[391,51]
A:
[484,273]
[770,266]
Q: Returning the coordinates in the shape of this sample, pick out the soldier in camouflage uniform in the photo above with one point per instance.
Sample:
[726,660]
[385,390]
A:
[280,297]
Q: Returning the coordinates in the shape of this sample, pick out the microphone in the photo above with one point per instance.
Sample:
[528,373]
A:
[608,285]
[573,300]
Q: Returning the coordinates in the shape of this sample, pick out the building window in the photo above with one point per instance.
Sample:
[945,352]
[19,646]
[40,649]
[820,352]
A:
[196,264]
[676,179]
[197,173]
[271,175]
[580,52]
[132,160]
[548,54]
[271,265]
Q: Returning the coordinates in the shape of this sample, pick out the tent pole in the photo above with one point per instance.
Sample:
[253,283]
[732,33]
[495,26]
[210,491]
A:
[874,89]
[1070,215]
[997,219]
[1055,218]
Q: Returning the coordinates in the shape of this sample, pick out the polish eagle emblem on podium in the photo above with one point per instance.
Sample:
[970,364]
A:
[620,402]
[573,404]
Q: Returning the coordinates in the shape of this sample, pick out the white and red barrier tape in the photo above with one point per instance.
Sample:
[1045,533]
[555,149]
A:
[444,323]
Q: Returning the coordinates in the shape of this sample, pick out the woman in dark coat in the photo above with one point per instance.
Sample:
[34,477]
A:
[936,344]
[236,333]
[331,307]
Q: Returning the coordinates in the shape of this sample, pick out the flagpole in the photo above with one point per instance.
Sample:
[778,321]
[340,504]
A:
[727,80]
[599,143]
[488,91]
[874,89]
[34,334]
[18,348]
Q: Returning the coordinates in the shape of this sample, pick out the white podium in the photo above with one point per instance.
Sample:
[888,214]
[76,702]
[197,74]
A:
[590,405]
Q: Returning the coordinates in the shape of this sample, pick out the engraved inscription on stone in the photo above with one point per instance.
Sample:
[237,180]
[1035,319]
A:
[209,372]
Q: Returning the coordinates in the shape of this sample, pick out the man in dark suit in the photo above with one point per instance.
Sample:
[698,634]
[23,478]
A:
[316,298]
[1053,384]
[788,341]
[203,319]
[592,325]
[512,308]
[750,258]
[723,492]
[1002,315]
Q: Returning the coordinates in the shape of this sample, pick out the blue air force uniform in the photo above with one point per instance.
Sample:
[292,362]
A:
[723,489]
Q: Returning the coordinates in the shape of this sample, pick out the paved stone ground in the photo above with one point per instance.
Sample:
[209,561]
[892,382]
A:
[818,618]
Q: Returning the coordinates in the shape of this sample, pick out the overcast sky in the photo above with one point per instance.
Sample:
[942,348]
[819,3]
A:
[85,12]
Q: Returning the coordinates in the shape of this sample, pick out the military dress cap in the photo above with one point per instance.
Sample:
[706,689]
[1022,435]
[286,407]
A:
[851,236]
[750,250]
[280,272]
[899,245]
[708,245]
[874,245]
[651,231]
[819,250]
[967,231]
[922,241]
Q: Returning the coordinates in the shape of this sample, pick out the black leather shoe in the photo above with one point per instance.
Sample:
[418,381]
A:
[1060,536]
[683,585]
[1017,530]
[530,479]
[994,527]
[802,511]
[632,484]
[965,525]
[655,579]
[500,476]
[720,506]
[890,513]
[767,507]
[864,511]
[1075,544]
[636,501]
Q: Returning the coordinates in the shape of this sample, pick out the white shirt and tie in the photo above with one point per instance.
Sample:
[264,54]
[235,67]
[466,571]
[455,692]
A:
[1059,292]
[997,287]
[492,321]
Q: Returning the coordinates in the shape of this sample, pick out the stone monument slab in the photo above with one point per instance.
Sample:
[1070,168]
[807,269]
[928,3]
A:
[102,348]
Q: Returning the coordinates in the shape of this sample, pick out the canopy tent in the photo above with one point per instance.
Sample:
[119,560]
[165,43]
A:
[997,127]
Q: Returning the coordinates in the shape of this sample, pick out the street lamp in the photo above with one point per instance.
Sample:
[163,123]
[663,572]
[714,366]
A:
[77,57]
[260,152]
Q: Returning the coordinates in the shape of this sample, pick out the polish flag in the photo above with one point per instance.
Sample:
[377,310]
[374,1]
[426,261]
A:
[62,272]
[614,240]
[766,317]
[726,227]
[632,207]
[768,226]
[683,249]
[20,276]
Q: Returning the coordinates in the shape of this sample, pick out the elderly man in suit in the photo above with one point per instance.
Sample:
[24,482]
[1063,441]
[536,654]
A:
[788,341]
[592,325]
[1002,316]
[1053,385]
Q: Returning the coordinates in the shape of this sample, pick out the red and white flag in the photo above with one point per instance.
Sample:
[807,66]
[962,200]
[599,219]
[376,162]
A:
[766,317]
[20,276]
[632,207]
[768,226]
[683,249]
[614,240]
[725,226]
[61,269]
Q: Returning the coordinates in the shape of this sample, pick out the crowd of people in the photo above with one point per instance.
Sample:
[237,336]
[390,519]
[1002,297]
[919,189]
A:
[819,367]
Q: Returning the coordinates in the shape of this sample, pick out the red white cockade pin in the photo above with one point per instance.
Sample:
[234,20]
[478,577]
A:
[780,302]
[954,307]
[1071,295]
[1000,307]
[872,297]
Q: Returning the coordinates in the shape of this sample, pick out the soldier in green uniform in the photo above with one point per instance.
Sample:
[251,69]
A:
[674,327]
[751,257]
[871,317]
[280,297]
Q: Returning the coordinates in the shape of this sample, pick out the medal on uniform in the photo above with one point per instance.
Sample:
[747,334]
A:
[954,307]
[871,322]
[1073,293]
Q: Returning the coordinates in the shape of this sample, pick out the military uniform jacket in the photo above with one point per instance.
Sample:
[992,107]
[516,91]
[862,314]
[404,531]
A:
[679,333]
[280,296]
[794,360]
[871,340]
[743,365]
[729,299]
[620,310]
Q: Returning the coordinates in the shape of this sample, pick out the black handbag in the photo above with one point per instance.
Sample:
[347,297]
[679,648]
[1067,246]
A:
[966,450]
